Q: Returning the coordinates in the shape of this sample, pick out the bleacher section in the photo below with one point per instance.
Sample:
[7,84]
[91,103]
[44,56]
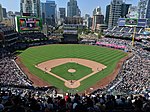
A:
[10,36]
[123,32]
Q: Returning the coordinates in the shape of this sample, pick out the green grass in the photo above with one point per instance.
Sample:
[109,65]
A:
[62,71]
[108,57]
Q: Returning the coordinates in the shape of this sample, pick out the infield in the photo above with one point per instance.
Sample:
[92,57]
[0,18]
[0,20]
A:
[106,56]
[58,68]
[78,71]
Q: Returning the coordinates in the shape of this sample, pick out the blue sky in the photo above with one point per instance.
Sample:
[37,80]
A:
[86,6]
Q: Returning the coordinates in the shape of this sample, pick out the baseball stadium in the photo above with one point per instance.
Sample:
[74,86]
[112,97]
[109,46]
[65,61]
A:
[71,67]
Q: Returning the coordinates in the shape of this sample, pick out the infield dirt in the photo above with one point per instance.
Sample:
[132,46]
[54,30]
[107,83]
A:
[48,65]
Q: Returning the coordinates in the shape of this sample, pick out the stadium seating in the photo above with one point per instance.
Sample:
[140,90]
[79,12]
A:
[128,92]
[123,32]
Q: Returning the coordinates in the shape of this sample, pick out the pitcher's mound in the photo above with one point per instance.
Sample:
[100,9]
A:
[71,70]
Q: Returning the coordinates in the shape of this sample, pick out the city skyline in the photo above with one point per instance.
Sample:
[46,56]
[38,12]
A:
[14,5]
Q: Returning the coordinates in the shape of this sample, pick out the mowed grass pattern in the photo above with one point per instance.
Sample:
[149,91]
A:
[109,57]
[62,71]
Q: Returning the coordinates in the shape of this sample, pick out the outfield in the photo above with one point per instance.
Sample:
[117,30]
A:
[35,55]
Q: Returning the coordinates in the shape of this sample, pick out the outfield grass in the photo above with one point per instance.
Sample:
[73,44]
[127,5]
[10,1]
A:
[106,56]
[62,71]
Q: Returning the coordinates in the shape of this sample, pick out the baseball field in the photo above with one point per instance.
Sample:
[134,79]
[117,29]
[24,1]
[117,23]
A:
[70,66]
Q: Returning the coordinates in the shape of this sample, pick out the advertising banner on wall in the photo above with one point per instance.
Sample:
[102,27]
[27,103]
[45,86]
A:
[121,21]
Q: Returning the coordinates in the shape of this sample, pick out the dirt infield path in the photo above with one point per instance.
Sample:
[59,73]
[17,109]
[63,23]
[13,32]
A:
[48,65]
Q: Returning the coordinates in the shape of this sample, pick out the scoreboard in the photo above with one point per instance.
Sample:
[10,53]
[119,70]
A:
[28,24]
[132,22]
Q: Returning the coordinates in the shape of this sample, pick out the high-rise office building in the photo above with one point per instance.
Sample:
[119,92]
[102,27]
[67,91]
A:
[9,13]
[30,6]
[62,13]
[144,9]
[115,12]
[49,13]
[89,22]
[73,9]
[148,10]
[17,13]
[97,11]
[86,16]
[97,20]
[132,12]
[4,13]
[74,20]
[1,13]
[124,10]
[107,14]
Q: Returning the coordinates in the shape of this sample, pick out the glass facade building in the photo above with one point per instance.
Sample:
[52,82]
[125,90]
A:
[30,6]
[144,9]
[73,9]
[48,10]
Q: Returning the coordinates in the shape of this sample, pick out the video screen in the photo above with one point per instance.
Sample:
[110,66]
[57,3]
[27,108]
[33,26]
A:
[131,22]
[28,24]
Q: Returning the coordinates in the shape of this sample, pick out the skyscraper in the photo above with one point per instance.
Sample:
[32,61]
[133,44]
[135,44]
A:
[62,12]
[98,18]
[148,10]
[30,6]
[144,9]
[107,14]
[4,12]
[1,13]
[10,13]
[132,12]
[17,13]
[73,9]
[86,16]
[49,13]
[89,22]
[115,12]
[97,11]
[124,10]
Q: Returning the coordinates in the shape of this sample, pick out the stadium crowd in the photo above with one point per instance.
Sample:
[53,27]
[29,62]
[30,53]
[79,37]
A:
[135,73]
[115,41]
[10,74]
[134,76]
[23,100]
